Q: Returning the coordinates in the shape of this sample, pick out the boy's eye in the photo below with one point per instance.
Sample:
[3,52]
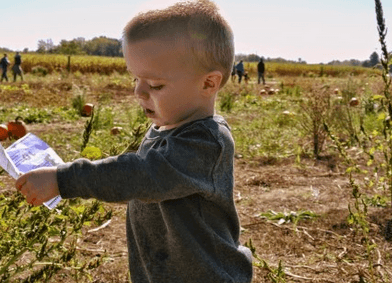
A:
[158,87]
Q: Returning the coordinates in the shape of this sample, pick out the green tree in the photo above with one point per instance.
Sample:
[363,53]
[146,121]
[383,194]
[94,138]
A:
[73,47]
[45,46]
[103,46]
[253,58]
[374,59]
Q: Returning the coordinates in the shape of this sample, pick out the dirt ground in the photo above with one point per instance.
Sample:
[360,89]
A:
[324,249]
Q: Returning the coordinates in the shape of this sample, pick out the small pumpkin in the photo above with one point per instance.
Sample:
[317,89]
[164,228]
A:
[88,109]
[271,91]
[115,130]
[354,101]
[17,128]
[3,132]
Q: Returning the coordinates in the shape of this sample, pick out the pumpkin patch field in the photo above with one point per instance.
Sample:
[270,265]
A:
[313,174]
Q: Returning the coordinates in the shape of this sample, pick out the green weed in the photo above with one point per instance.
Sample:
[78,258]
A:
[289,217]
[275,275]
[79,99]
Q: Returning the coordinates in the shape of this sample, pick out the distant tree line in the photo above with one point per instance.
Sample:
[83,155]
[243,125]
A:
[256,58]
[373,60]
[104,46]
[99,46]
[5,50]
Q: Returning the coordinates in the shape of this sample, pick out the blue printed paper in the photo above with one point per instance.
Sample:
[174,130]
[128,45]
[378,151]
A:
[26,154]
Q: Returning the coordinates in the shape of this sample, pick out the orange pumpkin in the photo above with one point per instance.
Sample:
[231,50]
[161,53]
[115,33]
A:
[354,101]
[87,110]
[115,130]
[16,129]
[3,132]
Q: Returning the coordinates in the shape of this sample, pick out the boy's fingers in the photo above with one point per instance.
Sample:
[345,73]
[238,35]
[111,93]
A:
[21,187]
[34,200]
[24,191]
[31,197]
[20,182]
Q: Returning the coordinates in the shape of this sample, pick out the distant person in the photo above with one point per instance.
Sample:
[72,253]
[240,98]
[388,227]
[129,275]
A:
[260,71]
[240,70]
[233,72]
[4,65]
[17,69]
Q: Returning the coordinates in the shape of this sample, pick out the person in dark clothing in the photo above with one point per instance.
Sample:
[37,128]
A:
[260,71]
[240,70]
[4,65]
[233,72]
[17,69]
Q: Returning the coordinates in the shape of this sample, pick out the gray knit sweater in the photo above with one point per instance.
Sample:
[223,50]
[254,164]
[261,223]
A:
[182,225]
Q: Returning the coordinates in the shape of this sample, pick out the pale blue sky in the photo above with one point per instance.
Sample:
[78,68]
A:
[313,30]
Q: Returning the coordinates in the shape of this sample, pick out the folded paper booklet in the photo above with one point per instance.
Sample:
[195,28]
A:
[26,154]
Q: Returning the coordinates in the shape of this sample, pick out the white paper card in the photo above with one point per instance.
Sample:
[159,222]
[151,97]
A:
[26,154]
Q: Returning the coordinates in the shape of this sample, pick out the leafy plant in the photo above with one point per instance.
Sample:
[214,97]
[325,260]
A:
[316,108]
[88,129]
[39,71]
[91,152]
[275,275]
[36,243]
[377,200]
[79,99]
[35,115]
[289,217]
[347,118]
[226,102]
[136,137]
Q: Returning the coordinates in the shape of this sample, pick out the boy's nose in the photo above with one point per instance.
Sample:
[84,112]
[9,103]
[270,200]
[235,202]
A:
[141,92]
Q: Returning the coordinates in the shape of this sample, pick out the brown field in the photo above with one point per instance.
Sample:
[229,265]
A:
[323,249]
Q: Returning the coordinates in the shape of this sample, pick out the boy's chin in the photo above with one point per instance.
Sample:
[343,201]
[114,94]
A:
[166,127]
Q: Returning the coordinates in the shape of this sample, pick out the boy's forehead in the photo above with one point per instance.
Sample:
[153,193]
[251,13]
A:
[155,57]
[155,44]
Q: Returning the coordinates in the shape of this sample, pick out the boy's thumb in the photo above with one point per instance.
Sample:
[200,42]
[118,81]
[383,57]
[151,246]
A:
[20,182]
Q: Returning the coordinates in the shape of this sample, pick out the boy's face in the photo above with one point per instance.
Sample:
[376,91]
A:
[168,88]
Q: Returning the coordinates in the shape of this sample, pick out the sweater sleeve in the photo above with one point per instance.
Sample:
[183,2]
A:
[179,166]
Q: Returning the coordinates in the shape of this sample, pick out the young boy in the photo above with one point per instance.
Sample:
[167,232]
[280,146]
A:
[182,225]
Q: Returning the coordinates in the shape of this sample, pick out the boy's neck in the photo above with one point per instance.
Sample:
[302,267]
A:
[199,113]
[200,116]
[167,128]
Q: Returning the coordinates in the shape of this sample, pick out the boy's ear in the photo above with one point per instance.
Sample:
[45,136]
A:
[212,82]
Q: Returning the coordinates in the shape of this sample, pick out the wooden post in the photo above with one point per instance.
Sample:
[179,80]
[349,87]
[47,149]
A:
[69,64]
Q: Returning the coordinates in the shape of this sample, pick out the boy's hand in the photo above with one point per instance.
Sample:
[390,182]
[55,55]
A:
[38,185]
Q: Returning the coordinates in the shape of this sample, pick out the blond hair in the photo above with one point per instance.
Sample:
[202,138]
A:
[197,25]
